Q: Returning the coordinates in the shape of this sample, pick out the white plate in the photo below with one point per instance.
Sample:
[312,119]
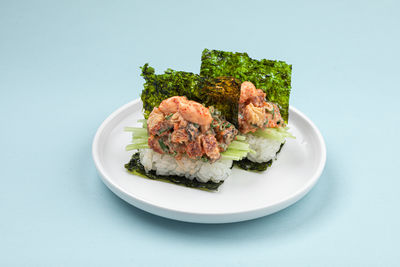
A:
[243,196]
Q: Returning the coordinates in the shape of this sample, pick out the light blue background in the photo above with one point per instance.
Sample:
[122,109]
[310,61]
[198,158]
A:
[66,65]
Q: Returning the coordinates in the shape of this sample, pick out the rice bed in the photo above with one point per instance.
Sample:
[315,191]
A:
[165,164]
[265,148]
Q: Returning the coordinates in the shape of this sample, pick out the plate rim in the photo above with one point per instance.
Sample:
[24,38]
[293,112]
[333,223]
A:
[247,214]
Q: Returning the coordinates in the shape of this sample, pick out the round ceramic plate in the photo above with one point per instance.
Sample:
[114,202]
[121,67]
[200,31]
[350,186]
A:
[243,196]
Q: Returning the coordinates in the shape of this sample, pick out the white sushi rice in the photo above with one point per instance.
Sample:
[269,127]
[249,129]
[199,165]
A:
[167,165]
[265,148]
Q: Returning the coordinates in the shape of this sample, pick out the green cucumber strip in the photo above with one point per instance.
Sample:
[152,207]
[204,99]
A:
[236,153]
[239,145]
[136,130]
[274,133]
[239,154]
[136,146]
[139,141]
[240,137]
[140,136]
[230,157]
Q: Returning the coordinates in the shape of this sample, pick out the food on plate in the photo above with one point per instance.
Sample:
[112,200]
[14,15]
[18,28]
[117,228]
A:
[262,123]
[196,127]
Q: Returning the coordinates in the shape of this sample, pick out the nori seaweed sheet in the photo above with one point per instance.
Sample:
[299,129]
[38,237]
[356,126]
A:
[135,167]
[248,165]
[158,87]
[222,92]
[274,77]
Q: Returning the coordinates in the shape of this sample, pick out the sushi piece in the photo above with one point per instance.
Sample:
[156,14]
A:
[262,123]
[263,113]
[185,143]
[197,126]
